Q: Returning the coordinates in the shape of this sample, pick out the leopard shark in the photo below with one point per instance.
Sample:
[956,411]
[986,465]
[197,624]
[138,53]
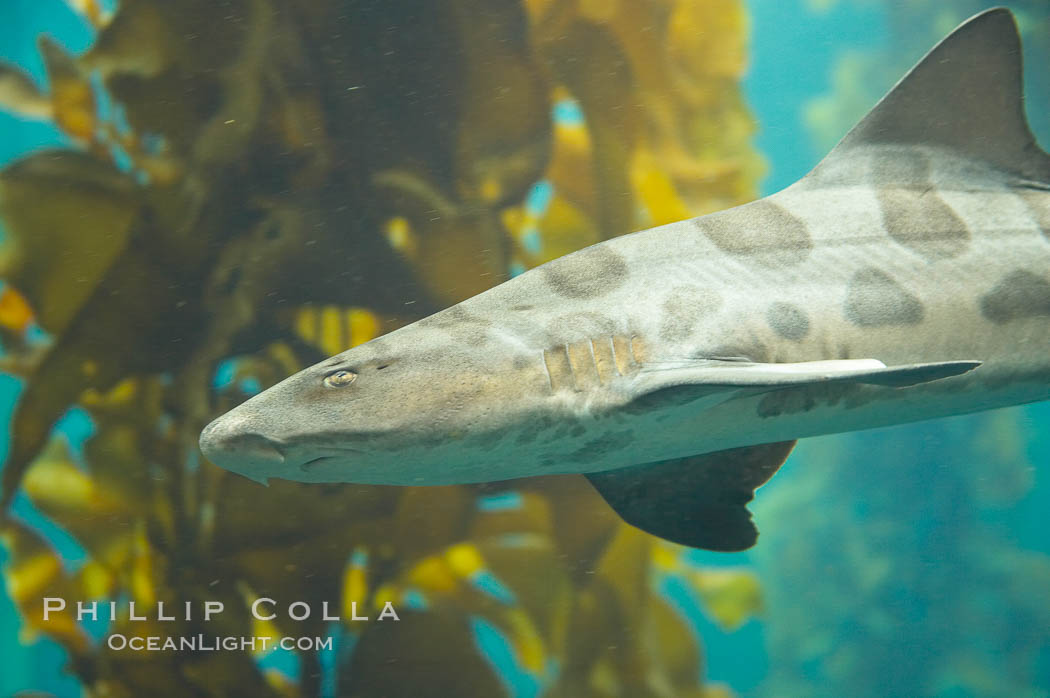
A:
[907,277]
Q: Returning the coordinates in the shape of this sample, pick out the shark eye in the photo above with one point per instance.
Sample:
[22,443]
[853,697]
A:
[340,379]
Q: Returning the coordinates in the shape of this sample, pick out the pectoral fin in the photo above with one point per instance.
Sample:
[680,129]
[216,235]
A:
[699,501]
[720,379]
[746,374]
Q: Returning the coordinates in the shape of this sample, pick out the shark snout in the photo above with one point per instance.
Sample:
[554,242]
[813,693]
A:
[233,445]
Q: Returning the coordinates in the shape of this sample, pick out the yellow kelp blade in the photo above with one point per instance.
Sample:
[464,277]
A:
[494,581]
[334,329]
[72,499]
[673,646]
[126,435]
[592,66]
[91,10]
[731,596]
[72,96]
[427,518]
[355,592]
[455,251]
[140,41]
[656,190]
[503,136]
[67,216]
[537,623]
[623,582]
[20,95]
[425,654]
[262,625]
[22,344]
[314,151]
[570,168]
[244,519]
[282,684]
[16,315]
[562,228]
[178,674]
[95,580]
[117,332]
[33,574]
[511,512]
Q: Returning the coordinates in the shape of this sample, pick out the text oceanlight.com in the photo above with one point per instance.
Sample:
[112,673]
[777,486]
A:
[205,643]
[262,609]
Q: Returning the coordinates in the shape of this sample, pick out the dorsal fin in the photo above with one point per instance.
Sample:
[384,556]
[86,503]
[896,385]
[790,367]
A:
[967,95]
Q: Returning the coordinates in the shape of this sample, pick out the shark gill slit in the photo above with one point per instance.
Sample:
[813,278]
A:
[581,364]
[591,363]
[547,370]
[639,350]
[558,368]
[589,344]
[604,359]
[621,354]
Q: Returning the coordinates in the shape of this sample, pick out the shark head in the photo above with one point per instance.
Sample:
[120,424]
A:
[409,408]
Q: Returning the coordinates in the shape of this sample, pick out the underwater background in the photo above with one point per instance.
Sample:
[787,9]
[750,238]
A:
[200,197]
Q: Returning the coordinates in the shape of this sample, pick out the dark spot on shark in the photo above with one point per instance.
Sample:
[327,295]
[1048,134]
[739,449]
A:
[1021,294]
[799,400]
[527,436]
[489,440]
[531,432]
[923,222]
[589,273]
[567,427]
[461,325]
[683,308]
[750,351]
[876,300]
[763,232]
[1038,202]
[667,399]
[788,321]
[598,448]
[1011,379]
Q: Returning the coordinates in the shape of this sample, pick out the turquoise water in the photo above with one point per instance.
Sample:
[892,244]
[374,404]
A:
[904,561]
[915,560]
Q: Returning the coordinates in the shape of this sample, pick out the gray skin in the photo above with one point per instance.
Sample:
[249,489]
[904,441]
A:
[921,243]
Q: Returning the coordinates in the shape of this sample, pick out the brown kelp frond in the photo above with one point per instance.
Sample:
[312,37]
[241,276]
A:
[250,185]
[20,95]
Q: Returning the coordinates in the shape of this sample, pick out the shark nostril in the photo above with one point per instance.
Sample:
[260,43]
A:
[254,446]
[219,442]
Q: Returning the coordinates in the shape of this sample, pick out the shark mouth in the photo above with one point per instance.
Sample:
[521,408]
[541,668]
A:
[308,465]
[320,460]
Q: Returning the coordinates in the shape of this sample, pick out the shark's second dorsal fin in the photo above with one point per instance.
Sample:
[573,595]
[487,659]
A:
[966,95]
